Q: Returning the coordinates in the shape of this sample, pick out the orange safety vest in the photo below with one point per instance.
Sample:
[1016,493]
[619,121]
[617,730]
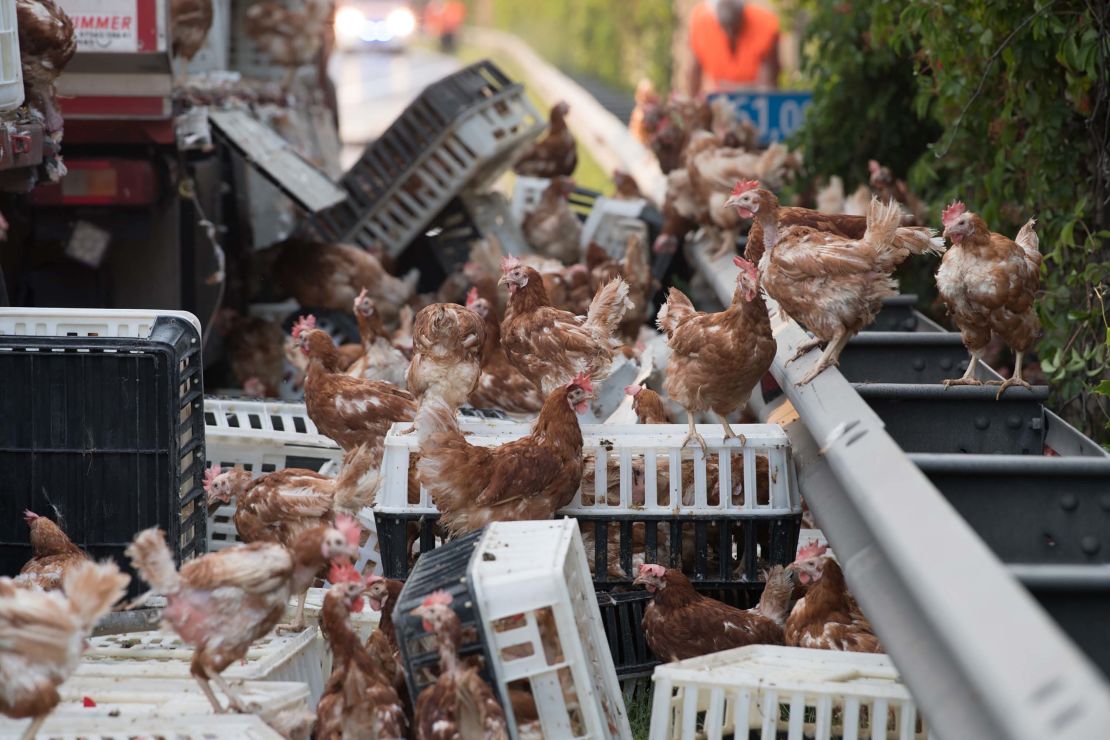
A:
[710,44]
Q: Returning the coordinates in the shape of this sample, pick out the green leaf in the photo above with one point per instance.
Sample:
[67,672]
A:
[987,37]
[1103,388]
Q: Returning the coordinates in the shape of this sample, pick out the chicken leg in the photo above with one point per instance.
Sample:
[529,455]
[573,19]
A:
[206,689]
[234,700]
[1014,379]
[829,358]
[804,348]
[298,622]
[33,728]
[694,436]
[729,434]
[968,378]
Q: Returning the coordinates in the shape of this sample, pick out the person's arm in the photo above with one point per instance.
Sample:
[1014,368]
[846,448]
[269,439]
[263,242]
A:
[769,72]
[694,80]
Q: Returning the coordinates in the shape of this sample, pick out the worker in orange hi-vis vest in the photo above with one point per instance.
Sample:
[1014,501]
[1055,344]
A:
[444,18]
[735,45]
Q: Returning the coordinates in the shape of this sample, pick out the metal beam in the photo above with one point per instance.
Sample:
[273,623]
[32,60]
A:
[981,657]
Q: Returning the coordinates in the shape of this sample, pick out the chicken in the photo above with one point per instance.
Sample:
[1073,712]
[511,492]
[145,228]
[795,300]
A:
[459,704]
[191,20]
[556,154]
[667,135]
[530,478]
[827,617]
[380,360]
[222,602]
[887,187]
[552,228]
[500,385]
[47,42]
[42,636]
[381,645]
[447,353]
[718,358]
[53,554]
[680,623]
[831,284]
[645,96]
[728,128]
[332,276]
[681,213]
[550,346]
[648,405]
[359,700]
[636,272]
[254,349]
[625,186]
[989,285]
[351,411]
[280,506]
[290,38]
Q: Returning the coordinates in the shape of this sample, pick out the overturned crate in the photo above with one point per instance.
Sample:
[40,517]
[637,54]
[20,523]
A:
[773,692]
[524,596]
[462,132]
[104,430]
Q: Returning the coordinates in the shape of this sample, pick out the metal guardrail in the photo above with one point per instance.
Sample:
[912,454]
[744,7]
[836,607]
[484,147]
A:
[980,656]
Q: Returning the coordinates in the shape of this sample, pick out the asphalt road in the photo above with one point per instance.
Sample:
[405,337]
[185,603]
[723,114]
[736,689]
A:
[373,88]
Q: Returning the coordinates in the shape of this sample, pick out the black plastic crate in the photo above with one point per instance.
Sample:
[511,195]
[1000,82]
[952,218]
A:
[622,613]
[106,434]
[445,569]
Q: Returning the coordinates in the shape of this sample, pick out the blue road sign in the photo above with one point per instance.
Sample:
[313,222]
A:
[775,115]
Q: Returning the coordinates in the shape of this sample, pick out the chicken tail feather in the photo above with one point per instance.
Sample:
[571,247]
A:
[1030,243]
[151,557]
[883,220]
[919,240]
[607,309]
[92,589]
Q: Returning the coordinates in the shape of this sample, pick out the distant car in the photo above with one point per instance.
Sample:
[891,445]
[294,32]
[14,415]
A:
[374,24]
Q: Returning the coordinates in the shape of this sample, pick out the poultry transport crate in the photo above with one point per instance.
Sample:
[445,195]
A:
[138,701]
[462,132]
[527,192]
[677,517]
[103,428]
[199,727]
[523,594]
[297,657]
[779,693]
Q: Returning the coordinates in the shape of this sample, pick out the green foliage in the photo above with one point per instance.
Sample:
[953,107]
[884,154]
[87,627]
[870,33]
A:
[617,42]
[1004,105]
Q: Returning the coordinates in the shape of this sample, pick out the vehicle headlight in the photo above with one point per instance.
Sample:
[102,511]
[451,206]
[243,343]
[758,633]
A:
[349,21]
[401,22]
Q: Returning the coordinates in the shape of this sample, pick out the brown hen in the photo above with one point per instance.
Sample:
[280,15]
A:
[191,20]
[447,344]
[556,154]
[500,385]
[53,554]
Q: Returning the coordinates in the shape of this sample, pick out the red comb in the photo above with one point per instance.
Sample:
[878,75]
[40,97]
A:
[744,186]
[952,212]
[812,550]
[582,380]
[508,263]
[304,324]
[29,516]
[344,572]
[437,597]
[632,390]
[471,297]
[653,569]
[210,476]
[745,265]
[361,295]
[872,166]
[350,529]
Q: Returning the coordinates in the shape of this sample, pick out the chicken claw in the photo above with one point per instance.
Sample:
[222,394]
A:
[729,434]
[693,435]
[804,348]
[1009,382]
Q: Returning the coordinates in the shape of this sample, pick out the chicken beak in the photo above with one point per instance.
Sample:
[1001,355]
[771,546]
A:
[504,280]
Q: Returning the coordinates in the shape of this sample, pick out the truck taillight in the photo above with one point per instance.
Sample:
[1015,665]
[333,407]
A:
[102,182]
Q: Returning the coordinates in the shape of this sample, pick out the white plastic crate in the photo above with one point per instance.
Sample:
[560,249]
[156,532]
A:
[786,692]
[527,192]
[611,222]
[11,68]
[158,654]
[626,446]
[530,577]
[198,727]
[139,700]
[85,322]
